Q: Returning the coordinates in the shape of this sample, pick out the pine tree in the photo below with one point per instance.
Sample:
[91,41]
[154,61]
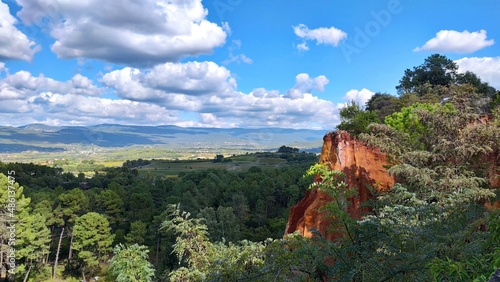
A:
[92,240]
[24,232]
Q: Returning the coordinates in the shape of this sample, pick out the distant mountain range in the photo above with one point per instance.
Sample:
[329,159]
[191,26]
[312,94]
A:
[43,138]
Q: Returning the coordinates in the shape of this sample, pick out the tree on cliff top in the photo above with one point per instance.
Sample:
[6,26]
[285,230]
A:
[354,119]
[436,72]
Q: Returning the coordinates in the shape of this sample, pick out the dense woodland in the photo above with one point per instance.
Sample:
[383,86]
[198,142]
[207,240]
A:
[74,222]
[441,134]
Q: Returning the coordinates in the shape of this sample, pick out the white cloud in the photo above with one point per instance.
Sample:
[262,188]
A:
[487,68]
[2,67]
[141,33]
[212,94]
[302,46]
[323,35]
[171,83]
[72,109]
[304,84]
[14,45]
[23,85]
[359,96]
[457,42]
[164,95]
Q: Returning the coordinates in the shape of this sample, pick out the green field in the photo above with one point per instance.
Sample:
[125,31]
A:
[169,168]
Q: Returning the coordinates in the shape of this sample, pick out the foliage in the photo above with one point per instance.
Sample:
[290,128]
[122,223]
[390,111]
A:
[130,264]
[93,239]
[437,70]
[383,105]
[355,120]
[137,232]
[442,183]
[407,120]
[286,149]
[202,260]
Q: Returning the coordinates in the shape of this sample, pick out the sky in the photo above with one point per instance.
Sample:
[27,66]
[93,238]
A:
[226,63]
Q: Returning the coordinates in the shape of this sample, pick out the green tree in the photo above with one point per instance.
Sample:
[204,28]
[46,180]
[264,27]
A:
[202,260]
[407,121]
[437,70]
[355,119]
[222,224]
[112,205]
[438,200]
[130,264]
[140,206]
[472,79]
[32,242]
[383,104]
[137,233]
[70,205]
[31,235]
[219,159]
[92,240]
[286,149]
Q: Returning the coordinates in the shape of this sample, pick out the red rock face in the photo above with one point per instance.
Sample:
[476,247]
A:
[361,166]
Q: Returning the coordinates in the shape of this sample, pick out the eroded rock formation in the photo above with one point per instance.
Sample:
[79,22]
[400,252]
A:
[361,165]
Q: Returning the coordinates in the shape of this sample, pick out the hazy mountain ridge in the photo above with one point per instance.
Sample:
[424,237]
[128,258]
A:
[39,137]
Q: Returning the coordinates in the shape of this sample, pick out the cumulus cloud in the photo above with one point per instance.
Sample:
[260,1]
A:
[487,68]
[23,85]
[171,83]
[323,35]
[359,96]
[305,84]
[213,95]
[165,94]
[141,33]
[14,45]
[457,42]
[69,109]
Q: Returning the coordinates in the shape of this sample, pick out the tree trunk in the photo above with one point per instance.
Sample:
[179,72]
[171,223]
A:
[27,274]
[83,275]
[70,253]
[57,254]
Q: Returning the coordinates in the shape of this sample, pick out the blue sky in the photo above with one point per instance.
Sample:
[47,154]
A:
[225,63]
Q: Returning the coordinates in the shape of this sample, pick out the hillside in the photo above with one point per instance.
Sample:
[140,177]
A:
[126,141]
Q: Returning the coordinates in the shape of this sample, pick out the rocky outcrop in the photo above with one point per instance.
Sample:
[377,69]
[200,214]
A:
[362,166]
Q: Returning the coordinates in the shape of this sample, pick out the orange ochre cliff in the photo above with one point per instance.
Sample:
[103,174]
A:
[362,166]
